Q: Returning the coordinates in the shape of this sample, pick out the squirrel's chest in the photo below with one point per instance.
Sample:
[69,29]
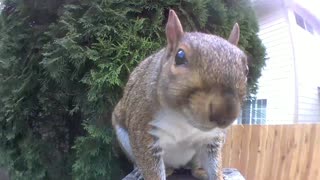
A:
[179,140]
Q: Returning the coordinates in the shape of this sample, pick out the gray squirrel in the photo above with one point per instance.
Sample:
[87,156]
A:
[178,103]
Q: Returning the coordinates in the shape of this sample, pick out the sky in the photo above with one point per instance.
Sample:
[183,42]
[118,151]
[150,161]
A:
[311,5]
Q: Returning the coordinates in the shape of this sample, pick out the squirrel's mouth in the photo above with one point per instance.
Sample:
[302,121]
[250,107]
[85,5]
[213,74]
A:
[203,127]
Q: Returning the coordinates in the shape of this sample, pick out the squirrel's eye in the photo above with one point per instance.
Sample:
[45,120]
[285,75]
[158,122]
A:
[180,57]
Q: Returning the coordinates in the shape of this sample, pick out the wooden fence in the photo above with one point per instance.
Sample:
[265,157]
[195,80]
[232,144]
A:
[274,152]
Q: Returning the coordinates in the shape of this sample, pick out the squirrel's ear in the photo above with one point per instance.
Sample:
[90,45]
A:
[235,34]
[174,30]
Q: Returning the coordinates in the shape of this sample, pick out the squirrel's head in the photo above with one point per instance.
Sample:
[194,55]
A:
[203,76]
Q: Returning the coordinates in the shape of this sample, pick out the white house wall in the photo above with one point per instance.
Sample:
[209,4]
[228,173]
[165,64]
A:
[306,50]
[277,81]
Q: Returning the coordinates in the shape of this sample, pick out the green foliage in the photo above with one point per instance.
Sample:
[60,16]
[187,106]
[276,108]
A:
[64,63]
[31,138]
[95,155]
[100,45]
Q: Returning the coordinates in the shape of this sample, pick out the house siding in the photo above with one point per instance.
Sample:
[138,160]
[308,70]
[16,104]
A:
[277,83]
[306,51]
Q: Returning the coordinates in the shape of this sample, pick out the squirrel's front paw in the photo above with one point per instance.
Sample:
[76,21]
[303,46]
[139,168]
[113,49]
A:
[200,173]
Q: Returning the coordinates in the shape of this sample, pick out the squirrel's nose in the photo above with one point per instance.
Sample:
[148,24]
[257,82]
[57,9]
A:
[224,112]
[216,114]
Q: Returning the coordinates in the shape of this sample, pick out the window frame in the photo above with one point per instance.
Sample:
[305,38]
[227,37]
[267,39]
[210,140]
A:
[254,112]
[301,22]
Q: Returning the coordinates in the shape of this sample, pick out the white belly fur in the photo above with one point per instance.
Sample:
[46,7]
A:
[179,140]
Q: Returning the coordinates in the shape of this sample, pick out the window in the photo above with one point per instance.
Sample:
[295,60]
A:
[299,20]
[309,28]
[254,112]
[302,23]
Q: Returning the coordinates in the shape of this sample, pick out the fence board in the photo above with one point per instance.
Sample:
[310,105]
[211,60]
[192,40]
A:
[274,152]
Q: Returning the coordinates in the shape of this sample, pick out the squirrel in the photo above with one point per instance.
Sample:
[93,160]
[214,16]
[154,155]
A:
[178,103]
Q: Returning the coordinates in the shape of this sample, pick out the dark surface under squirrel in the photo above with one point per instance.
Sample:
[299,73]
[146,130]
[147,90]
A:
[183,174]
